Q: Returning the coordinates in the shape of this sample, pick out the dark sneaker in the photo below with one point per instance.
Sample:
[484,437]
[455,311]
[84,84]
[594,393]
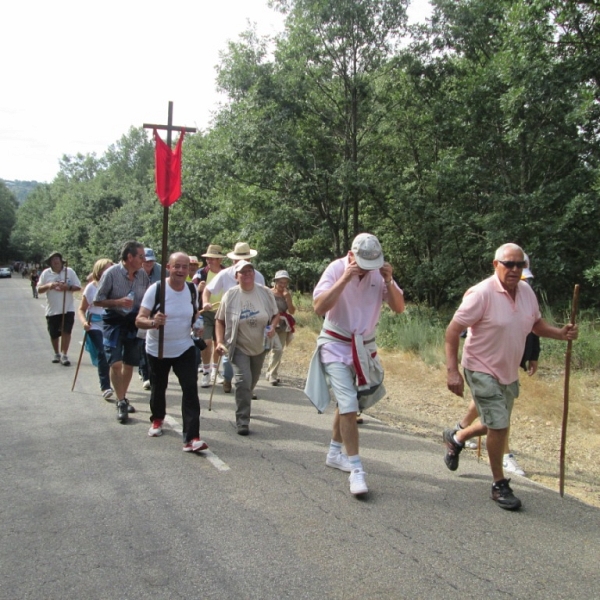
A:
[503,495]
[453,449]
[227,386]
[243,430]
[122,413]
[130,408]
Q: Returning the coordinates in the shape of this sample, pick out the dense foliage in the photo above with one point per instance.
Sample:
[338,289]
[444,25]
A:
[445,139]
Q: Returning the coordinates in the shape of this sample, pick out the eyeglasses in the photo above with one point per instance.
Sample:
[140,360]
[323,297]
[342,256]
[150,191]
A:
[511,264]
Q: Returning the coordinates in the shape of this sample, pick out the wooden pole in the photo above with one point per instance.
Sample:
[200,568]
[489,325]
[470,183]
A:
[214,383]
[563,435]
[81,352]
[62,321]
[165,236]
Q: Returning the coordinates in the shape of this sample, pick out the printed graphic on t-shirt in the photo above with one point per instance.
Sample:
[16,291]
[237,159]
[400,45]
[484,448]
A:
[249,313]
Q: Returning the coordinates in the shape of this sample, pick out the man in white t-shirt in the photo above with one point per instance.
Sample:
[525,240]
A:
[59,282]
[179,351]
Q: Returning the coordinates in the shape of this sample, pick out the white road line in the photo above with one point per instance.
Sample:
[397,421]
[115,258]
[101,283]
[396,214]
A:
[212,458]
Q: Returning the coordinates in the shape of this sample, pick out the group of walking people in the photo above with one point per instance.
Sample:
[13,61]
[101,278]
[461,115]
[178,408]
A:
[244,321]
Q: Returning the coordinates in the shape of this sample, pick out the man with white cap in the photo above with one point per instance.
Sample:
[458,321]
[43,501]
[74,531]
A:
[223,282]
[349,295]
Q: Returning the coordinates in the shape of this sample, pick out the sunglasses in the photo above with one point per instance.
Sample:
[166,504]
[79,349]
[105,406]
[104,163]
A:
[511,264]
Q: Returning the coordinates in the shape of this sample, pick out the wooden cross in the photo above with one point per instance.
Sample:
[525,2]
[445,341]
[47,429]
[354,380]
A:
[163,272]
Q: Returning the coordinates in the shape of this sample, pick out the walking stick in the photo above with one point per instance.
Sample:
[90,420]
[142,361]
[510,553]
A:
[214,383]
[563,435]
[89,318]
[62,322]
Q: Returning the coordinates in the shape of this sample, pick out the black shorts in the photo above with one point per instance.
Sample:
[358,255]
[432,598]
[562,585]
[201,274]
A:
[55,323]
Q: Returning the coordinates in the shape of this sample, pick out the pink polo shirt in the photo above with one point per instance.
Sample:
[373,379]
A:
[357,309]
[498,326]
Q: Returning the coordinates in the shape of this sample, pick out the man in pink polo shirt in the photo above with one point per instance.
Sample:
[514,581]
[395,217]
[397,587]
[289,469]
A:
[349,295]
[499,312]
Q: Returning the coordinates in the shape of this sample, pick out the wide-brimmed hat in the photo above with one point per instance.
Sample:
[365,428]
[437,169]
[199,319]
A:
[240,265]
[149,255]
[242,251]
[194,260]
[214,251]
[367,252]
[281,275]
[51,256]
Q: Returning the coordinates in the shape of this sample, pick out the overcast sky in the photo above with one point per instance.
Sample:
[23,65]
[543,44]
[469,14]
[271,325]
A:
[77,75]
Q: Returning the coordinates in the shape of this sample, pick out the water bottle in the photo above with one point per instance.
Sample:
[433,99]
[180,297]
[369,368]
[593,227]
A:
[198,327]
[131,296]
[268,340]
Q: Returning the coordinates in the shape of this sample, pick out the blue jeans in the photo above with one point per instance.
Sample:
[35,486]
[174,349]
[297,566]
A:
[103,368]
[227,369]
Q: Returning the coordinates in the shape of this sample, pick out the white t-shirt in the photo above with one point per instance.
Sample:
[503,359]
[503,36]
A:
[179,311]
[89,294]
[225,280]
[55,299]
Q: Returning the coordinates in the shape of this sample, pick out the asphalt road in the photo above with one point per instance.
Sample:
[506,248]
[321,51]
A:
[92,509]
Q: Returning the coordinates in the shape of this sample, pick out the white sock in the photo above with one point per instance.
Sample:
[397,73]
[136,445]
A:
[334,448]
[206,368]
[355,462]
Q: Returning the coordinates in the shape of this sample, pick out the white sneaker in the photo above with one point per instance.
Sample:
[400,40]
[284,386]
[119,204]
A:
[472,444]
[107,394]
[64,360]
[220,379]
[511,465]
[339,461]
[196,445]
[205,381]
[146,384]
[358,485]
[56,358]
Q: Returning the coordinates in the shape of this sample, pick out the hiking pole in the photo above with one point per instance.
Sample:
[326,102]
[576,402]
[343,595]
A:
[81,353]
[563,435]
[62,322]
[214,383]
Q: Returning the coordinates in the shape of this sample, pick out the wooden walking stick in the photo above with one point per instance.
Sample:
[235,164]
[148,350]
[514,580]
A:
[81,353]
[62,322]
[563,435]
[214,383]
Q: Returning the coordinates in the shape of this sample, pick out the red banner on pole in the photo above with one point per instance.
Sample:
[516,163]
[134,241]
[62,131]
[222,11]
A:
[168,170]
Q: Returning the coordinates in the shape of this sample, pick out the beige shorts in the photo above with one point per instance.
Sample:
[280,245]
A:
[494,401]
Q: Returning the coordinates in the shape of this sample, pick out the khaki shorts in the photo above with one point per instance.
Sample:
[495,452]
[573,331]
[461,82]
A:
[494,401]
[209,325]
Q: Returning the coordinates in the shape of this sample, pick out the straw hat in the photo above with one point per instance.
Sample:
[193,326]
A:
[242,251]
[214,251]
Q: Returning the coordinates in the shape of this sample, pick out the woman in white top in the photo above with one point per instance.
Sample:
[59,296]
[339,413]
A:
[91,319]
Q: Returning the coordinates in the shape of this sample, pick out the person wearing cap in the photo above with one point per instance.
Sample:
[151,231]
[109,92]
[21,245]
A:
[58,283]
[499,312]
[214,257]
[285,327]
[350,294]
[150,265]
[243,315]
[153,270]
[224,281]
[120,292]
